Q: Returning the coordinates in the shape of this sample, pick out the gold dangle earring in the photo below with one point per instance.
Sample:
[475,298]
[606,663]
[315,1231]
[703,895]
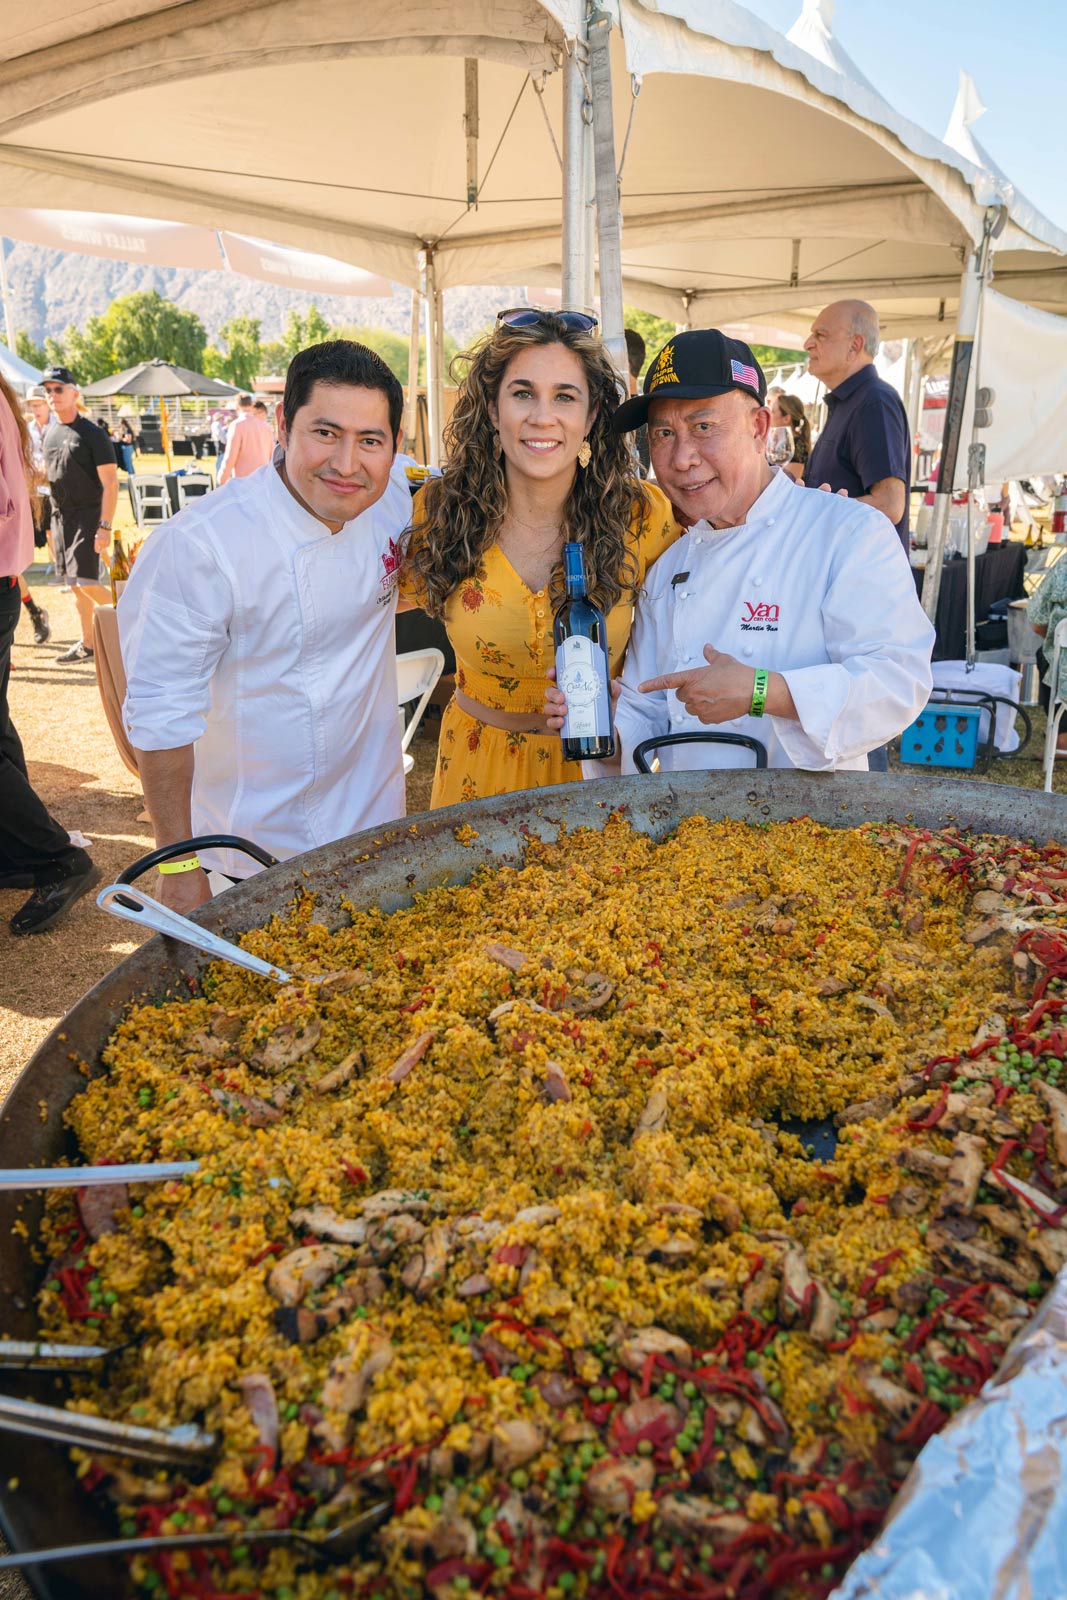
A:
[585,453]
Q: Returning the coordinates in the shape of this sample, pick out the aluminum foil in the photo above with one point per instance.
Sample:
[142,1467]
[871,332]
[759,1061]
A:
[983,1513]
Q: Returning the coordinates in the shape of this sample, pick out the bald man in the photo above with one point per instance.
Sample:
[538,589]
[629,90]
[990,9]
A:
[865,447]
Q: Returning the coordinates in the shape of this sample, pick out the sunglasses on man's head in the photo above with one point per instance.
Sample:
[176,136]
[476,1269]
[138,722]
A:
[530,316]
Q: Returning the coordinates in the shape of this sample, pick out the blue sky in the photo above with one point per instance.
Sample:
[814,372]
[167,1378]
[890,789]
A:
[912,50]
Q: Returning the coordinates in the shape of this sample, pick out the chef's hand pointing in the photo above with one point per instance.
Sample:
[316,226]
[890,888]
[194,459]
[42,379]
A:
[718,692]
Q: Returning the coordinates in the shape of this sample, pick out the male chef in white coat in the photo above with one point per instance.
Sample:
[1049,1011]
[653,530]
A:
[783,613]
[257,635]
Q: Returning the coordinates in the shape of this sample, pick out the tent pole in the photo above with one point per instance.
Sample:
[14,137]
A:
[608,218]
[575,140]
[5,295]
[435,357]
[412,406]
[975,275]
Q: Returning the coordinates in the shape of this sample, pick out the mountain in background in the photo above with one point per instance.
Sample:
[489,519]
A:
[51,289]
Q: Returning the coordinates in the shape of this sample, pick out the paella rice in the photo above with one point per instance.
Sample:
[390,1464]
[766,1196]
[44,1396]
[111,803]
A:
[508,1213]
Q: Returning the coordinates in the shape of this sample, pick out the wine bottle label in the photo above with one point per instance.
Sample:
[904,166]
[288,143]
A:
[581,673]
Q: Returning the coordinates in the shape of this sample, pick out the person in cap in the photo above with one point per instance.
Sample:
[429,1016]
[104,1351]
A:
[83,480]
[784,614]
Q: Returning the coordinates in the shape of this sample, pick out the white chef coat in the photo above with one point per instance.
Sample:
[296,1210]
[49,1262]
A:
[811,585]
[251,632]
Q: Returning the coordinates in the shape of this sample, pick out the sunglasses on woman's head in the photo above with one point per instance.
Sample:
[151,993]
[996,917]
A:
[530,316]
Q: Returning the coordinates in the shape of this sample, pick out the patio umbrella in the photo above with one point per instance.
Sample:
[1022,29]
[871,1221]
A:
[160,380]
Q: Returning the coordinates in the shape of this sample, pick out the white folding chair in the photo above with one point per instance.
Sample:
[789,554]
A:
[417,672]
[1056,706]
[151,500]
[193,486]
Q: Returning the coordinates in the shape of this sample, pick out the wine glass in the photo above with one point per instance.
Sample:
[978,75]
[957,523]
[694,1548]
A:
[779,446]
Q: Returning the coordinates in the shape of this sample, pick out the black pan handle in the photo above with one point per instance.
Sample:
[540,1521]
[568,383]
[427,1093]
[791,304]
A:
[642,750]
[193,847]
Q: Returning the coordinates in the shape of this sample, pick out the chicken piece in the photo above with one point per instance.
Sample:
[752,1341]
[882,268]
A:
[507,1006]
[635,1350]
[924,1163]
[1002,1304]
[326,1223]
[1008,1223]
[824,1315]
[738,900]
[387,1235]
[262,1405]
[761,1290]
[426,1267]
[1050,1247]
[829,987]
[591,993]
[514,960]
[477,1283]
[539,1216]
[335,983]
[341,1074]
[694,1517]
[304,1269]
[674,1208]
[899,1402]
[347,1382]
[725,1213]
[220,1035]
[914,923]
[795,1296]
[496,1355]
[446,1461]
[556,1389]
[302,1325]
[868,1003]
[515,1443]
[652,1411]
[987,901]
[1055,1102]
[246,1109]
[879,1106]
[282,1093]
[411,1056]
[880,1321]
[674,1251]
[975,1263]
[966,1167]
[289,1042]
[97,1207]
[908,1200]
[387,1202]
[129,1488]
[612,1485]
[554,1087]
[653,1118]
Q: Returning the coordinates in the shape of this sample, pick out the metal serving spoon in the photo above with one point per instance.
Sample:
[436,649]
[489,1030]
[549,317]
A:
[94,1177]
[133,905]
[187,1445]
[340,1544]
[39,1355]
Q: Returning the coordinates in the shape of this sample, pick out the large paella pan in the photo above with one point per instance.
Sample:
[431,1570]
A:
[506,1221]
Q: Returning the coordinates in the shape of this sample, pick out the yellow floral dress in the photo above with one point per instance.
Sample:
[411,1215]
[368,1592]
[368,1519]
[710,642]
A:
[502,636]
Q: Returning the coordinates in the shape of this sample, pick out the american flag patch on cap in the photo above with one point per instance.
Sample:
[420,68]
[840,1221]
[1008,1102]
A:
[742,374]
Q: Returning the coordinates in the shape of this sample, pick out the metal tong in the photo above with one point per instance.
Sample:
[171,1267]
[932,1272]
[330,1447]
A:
[94,1177]
[40,1355]
[133,905]
[340,1544]
[187,1445]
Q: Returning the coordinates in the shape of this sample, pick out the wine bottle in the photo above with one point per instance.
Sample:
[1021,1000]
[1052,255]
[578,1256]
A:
[120,569]
[581,639]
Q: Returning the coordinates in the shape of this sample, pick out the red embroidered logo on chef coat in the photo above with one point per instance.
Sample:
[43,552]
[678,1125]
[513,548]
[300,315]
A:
[391,563]
[760,616]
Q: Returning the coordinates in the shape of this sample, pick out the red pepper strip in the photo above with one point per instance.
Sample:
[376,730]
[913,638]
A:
[1001,1091]
[832,1503]
[455,1567]
[908,859]
[914,1374]
[835,1345]
[404,1479]
[793,1562]
[353,1173]
[853,1404]
[878,1270]
[1045,1209]
[924,1423]
[981,1353]
[170,1577]
[934,1115]
[271,1250]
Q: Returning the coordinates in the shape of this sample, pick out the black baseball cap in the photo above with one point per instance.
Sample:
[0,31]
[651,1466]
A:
[692,366]
[58,375]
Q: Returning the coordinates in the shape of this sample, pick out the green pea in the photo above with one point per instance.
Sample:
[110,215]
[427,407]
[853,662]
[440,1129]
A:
[111,1298]
[666,1561]
[433,1502]
[566,1581]
[520,1479]
[55,1285]
[596,1393]
[776,1389]
[610,1392]
[645,1447]
[827,1569]
[128,1528]
[529,1395]
[461,1582]
[690,1390]
[752,1358]
[137,1211]
[486,1515]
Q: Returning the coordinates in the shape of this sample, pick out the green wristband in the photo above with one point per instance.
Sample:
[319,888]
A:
[759,693]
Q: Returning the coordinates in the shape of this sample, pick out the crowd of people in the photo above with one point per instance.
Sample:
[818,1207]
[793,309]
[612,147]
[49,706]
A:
[257,628]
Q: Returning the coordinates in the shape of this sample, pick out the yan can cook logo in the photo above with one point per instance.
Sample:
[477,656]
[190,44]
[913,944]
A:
[759,616]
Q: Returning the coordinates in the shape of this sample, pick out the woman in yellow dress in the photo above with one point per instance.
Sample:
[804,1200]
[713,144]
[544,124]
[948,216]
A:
[532,462]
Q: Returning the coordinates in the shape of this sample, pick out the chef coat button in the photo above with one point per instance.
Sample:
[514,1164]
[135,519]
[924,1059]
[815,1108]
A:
[756,582]
[747,651]
[770,522]
[683,594]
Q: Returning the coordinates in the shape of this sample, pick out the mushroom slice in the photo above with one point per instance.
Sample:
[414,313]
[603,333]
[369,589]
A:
[598,991]
[653,1118]
[514,960]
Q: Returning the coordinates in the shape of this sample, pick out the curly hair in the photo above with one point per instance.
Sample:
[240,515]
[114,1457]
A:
[462,511]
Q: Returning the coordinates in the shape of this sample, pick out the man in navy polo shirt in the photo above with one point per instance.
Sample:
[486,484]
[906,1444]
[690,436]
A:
[865,447]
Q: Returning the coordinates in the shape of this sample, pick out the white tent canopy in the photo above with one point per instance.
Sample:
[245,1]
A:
[340,130]
[19,374]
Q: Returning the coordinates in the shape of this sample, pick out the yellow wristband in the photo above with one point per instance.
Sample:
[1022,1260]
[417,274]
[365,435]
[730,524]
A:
[179,866]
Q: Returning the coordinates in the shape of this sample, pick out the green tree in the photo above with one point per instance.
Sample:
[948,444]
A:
[274,358]
[214,364]
[241,364]
[655,331]
[144,325]
[300,331]
[772,355]
[26,350]
[88,351]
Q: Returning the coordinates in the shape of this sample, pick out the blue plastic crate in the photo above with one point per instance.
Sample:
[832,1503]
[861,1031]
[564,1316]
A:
[944,735]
